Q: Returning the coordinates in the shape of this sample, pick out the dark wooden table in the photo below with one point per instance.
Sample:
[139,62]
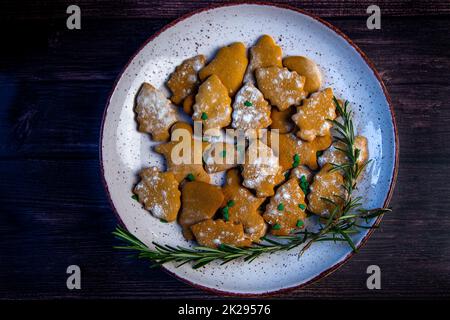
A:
[54,212]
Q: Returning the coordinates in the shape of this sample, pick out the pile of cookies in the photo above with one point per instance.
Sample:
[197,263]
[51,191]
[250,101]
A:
[263,91]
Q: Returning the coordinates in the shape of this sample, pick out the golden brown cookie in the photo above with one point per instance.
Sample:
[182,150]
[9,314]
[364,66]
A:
[290,151]
[261,171]
[241,206]
[212,233]
[307,68]
[301,171]
[361,144]
[293,152]
[310,148]
[184,80]
[250,109]
[280,86]
[229,65]
[326,184]
[158,192]
[262,55]
[184,154]
[313,116]
[188,103]
[212,104]
[286,210]
[281,120]
[155,113]
[181,125]
[335,156]
[200,201]
[220,156]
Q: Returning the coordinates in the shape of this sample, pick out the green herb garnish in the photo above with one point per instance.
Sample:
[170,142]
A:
[248,103]
[276,226]
[135,197]
[190,177]
[300,223]
[302,206]
[204,116]
[280,207]
[304,185]
[296,162]
[225,213]
[231,203]
[226,216]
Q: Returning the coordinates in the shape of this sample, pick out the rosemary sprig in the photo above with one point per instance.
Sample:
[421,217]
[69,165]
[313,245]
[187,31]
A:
[201,256]
[343,221]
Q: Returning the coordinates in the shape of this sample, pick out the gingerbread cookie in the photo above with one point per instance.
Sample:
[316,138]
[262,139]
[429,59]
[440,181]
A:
[310,149]
[264,54]
[182,125]
[155,113]
[184,154]
[200,201]
[326,184]
[334,155]
[280,86]
[286,210]
[184,80]
[213,233]
[241,206]
[220,156]
[188,103]
[361,144]
[158,192]
[313,116]
[250,109]
[281,120]
[300,172]
[290,151]
[293,152]
[261,171]
[229,65]
[307,68]
[212,104]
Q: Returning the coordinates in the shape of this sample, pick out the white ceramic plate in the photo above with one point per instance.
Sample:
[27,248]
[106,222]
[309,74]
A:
[124,151]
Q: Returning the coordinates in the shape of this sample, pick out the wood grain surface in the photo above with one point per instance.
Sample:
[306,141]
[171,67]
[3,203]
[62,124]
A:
[54,212]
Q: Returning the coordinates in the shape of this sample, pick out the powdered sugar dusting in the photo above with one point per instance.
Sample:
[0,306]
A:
[250,109]
[155,113]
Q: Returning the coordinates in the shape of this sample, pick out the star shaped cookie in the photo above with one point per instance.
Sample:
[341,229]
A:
[184,155]
[241,206]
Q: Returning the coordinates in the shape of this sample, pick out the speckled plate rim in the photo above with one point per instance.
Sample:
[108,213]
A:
[369,63]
